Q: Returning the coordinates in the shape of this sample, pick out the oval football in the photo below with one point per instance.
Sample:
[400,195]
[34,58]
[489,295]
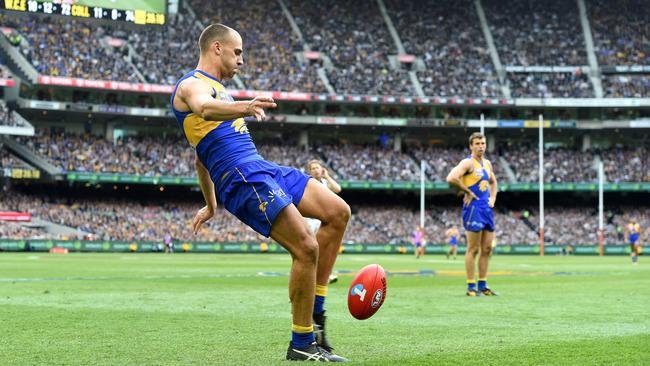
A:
[367,291]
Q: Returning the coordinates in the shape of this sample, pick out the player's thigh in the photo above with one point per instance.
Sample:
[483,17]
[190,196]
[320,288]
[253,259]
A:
[291,231]
[320,203]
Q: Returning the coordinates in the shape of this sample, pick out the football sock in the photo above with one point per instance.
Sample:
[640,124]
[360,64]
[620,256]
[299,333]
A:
[471,285]
[302,337]
[634,258]
[319,303]
[482,284]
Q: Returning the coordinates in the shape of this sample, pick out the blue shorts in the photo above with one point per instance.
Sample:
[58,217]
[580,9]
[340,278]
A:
[453,243]
[257,191]
[418,244]
[477,218]
[633,238]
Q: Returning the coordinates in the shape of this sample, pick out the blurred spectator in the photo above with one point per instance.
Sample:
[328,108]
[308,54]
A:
[371,163]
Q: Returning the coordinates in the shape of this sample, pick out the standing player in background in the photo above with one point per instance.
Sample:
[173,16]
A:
[269,198]
[453,236]
[474,176]
[633,236]
[417,238]
[318,172]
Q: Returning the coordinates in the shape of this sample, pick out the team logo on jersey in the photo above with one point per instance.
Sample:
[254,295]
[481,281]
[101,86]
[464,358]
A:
[239,125]
[483,186]
[359,290]
[376,299]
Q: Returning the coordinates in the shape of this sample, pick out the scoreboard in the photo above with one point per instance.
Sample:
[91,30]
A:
[134,11]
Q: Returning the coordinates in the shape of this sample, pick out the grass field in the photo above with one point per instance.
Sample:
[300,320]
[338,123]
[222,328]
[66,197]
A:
[199,309]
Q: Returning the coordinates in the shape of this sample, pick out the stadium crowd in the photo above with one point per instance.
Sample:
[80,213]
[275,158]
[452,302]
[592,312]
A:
[450,43]
[550,85]
[157,156]
[358,50]
[456,63]
[65,47]
[7,117]
[626,85]
[534,33]
[621,32]
[128,220]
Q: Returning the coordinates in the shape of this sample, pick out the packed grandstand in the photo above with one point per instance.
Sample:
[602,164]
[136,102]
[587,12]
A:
[503,55]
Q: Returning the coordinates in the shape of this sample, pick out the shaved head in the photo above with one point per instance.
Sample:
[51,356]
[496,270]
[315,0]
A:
[215,32]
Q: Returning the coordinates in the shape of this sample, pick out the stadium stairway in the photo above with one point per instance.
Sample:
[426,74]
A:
[594,74]
[30,157]
[494,55]
[55,229]
[16,62]
[327,63]
[503,163]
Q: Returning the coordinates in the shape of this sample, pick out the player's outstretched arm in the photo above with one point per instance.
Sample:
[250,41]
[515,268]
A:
[454,179]
[207,188]
[197,94]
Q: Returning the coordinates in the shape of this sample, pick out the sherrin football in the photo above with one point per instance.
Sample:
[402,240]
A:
[367,291]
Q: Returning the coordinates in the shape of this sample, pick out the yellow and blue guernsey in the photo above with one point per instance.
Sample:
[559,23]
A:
[249,187]
[478,214]
[634,231]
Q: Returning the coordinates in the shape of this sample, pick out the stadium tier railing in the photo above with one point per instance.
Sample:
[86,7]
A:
[99,178]
[41,245]
[365,99]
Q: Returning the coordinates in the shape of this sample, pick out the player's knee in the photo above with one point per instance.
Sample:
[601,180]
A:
[339,216]
[472,250]
[307,248]
[486,250]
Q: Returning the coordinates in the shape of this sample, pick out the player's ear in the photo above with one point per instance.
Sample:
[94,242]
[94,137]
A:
[217,47]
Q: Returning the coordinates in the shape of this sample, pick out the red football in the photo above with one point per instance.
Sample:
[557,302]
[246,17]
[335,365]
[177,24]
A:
[367,291]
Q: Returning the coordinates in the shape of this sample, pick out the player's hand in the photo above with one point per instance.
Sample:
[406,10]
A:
[256,107]
[491,202]
[201,216]
[326,174]
[469,197]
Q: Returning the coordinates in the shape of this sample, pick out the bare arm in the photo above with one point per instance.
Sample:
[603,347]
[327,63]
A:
[331,183]
[454,177]
[493,187]
[207,188]
[197,95]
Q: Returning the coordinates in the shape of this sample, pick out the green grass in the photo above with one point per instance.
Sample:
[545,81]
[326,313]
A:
[196,309]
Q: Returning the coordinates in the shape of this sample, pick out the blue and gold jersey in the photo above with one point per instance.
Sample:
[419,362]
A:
[478,181]
[220,145]
[634,228]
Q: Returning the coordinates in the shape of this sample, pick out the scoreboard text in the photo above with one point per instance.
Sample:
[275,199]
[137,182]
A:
[82,11]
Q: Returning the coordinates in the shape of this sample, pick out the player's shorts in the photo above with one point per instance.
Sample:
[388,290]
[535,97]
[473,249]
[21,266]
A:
[634,237]
[257,191]
[419,244]
[314,224]
[453,243]
[477,218]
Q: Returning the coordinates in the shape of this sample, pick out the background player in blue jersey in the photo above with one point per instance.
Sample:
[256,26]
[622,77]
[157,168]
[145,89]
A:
[633,235]
[453,237]
[474,176]
[269,198]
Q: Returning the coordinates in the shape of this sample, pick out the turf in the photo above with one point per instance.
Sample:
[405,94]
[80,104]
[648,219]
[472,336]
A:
[196,309]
